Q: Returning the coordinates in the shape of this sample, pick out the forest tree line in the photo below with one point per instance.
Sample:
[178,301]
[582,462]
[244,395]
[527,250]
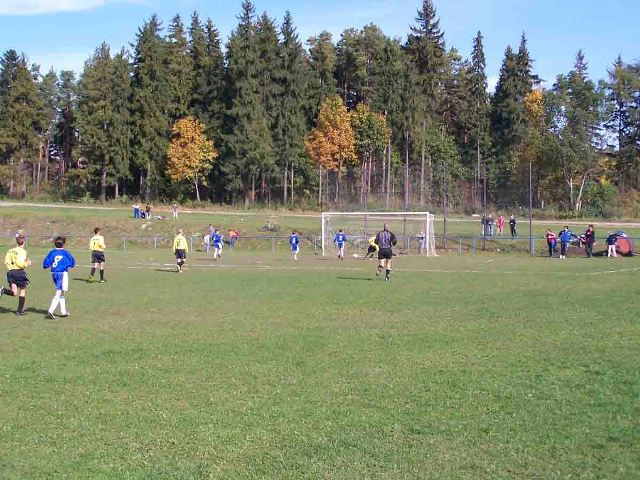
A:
[364,120]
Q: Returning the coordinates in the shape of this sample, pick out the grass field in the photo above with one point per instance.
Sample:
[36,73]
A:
[258,367]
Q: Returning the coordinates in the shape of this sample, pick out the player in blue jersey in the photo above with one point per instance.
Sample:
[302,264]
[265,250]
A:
[294,241]
[340,239]
[218,244]
[59,261]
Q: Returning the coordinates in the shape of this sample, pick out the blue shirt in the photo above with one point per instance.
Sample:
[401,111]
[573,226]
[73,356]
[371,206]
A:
[294,240]
[217,238]
[59,260]
[565,236]
[340,238]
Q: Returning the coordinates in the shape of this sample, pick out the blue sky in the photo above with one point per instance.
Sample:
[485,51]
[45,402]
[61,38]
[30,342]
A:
[63,33]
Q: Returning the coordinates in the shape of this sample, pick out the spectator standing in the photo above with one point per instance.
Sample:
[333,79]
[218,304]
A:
[500,224]
[174,210]
[611,245]
[589,240]
[551,242]
[565,238]
[512,226]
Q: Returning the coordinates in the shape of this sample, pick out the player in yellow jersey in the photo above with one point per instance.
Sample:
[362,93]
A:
[97,247]
[180,249]
[373,248]
[16,261]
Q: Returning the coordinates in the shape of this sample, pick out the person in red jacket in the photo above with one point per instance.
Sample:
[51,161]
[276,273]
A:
[551,242]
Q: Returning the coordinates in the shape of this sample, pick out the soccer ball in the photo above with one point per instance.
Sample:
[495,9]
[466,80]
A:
[355,255]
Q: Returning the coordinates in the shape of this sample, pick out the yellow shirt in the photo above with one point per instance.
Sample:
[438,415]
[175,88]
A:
[96,243]
[16,259]
[372,243]
[180,243]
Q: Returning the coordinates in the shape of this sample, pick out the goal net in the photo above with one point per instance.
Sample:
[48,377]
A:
[413,230]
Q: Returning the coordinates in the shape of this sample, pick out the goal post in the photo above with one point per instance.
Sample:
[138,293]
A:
[414,230]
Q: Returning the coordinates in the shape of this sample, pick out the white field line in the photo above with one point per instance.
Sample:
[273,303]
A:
[301,267]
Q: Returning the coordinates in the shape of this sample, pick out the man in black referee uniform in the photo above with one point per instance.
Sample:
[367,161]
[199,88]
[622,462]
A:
[386,240]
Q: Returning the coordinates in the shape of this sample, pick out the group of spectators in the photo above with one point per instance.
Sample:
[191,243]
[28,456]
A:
[588,240]
[489,225]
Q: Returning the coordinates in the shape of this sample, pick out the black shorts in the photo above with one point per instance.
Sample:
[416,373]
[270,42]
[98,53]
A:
[18,277]
[97,257]
[371,249]
[385,254]
[181,254]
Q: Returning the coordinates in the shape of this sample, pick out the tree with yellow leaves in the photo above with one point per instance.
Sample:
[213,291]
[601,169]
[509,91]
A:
[331,145]
[190,155]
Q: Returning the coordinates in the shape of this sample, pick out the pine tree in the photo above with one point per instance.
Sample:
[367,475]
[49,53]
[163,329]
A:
[426,48]
[478,116]
[103,100]
[22,121]
[248,138]
[48,87]
[66,132]
[290,123]
[150,107]
[179,68]
[578,125]
[322,61]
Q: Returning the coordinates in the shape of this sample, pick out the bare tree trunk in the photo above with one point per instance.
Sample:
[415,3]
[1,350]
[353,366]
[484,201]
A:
[197,189]
[117,190]
[579,199]
[320,188]
[103,184]
[285,183]
[291,176]
[388,189]
[422,173]
[406,171]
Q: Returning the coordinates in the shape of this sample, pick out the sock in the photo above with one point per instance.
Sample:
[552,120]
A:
[93,272]
[101,274]
[388,272]
[21,301]
[7,291]
[54,302]
[63,305]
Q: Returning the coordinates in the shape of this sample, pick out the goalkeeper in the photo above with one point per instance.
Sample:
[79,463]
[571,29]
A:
[386,240]
[373,248]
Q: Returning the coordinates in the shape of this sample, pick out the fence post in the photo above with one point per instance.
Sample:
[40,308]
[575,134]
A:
[459,245]
[273,245]
[155,243]
[191,242]
[473,245]
[124,243]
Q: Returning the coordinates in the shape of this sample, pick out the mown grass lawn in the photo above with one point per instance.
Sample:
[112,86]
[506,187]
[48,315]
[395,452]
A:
[259,367]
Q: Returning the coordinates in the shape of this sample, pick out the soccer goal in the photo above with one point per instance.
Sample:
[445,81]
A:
[414,230]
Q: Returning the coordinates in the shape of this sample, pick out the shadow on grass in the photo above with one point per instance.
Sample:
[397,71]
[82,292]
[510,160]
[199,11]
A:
[166,270]
[362,279]
[78,279]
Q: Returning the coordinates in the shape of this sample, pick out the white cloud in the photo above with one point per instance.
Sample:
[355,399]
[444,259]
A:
[36,7]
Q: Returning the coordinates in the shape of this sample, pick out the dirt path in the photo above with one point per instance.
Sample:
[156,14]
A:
[300,215]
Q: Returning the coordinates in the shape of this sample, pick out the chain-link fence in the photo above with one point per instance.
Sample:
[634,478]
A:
[356,246]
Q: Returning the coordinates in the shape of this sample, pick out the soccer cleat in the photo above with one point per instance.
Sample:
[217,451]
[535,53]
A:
[387,278]
[90,280]
[103,281]
[50,316]
[21,314]
[65,315]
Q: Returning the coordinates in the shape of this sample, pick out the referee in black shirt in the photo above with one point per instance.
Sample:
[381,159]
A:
[385,240]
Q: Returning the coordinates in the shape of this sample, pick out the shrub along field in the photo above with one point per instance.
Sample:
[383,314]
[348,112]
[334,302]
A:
[261,367]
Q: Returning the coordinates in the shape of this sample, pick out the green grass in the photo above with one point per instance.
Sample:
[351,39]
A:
[259,367]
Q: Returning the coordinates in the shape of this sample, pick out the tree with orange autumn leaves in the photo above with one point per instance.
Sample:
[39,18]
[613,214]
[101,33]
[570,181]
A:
[190,154]
[331,145]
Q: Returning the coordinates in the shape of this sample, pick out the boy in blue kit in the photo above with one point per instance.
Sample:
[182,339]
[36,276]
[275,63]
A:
[340,239]
[294,241]
[218,244]
[59,261]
